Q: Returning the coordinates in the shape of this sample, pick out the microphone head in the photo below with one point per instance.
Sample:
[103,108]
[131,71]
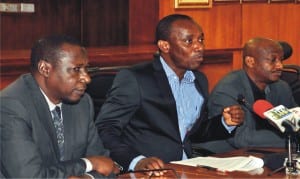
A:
[260,106]
[287,49]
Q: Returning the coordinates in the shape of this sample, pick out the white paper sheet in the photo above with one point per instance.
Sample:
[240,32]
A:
[240,163]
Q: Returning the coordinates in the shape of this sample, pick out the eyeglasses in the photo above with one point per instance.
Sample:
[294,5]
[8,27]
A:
[153,170]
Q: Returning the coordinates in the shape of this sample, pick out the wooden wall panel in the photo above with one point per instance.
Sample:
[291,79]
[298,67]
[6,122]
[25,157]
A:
[276,21]
[16,62]
[214,72]
[143,17]
[20,30]
[97,23]
[230,25]
[105,22]
[120,22]
[221,24]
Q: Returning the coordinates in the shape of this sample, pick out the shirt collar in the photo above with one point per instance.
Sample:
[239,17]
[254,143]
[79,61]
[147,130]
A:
[50,104]
[257,93]
[187,77]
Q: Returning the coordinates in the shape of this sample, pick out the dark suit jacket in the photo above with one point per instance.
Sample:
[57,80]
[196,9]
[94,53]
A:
[29,147]
[139,116]
[225,94]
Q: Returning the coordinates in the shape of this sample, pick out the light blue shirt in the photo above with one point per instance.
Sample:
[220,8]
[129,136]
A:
[188,99]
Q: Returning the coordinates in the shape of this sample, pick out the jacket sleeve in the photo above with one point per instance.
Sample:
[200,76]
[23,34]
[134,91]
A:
[211,129]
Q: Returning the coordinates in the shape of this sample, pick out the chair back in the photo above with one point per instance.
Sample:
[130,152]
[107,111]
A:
[101,81]
[291,74]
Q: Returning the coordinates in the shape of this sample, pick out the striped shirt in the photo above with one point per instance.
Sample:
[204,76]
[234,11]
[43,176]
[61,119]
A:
[188,99]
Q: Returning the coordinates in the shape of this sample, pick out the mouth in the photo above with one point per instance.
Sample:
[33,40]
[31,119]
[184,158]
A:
[278,73]
[79,91]
[199,57]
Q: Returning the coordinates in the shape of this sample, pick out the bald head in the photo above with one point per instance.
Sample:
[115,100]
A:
[259,48]
[262,61]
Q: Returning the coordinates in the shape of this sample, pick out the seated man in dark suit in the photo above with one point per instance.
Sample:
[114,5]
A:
[259,79]
[152,109]
[47,127]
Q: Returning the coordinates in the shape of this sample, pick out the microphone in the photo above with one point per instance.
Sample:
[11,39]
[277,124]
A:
[287,49]
[296,117]
[280,116]
[260,106]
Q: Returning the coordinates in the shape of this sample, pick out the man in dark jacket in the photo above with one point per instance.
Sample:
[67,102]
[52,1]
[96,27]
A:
[152,109]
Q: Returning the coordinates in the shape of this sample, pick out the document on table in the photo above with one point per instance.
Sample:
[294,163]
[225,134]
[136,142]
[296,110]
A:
[240,163]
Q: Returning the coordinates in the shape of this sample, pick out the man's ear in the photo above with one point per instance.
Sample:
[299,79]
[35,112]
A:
[163,45]
[44,68]
[249,61]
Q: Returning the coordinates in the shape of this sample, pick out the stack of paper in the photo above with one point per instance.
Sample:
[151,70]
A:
[225,164]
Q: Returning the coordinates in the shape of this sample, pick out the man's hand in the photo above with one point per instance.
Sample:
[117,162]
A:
[103,165]
[233,115]
[151,163]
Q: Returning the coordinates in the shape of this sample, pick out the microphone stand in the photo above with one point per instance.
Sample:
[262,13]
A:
[290,164]
[297,143]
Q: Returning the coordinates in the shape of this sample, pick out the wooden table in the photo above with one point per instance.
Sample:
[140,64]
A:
[181,171]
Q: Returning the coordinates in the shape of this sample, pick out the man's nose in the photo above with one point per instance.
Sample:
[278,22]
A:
[199,46]
[279,64]
[85,77]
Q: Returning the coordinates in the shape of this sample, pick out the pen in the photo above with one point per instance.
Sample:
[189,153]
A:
[207,167]
[119,166]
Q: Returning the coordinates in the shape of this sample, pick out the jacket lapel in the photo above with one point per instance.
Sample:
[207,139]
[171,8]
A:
[248,93]
[203,113]
[166,91]
[69,129]
[43,113]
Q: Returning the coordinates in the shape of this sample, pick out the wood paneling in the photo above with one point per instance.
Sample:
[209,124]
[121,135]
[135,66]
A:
[20,30]
[143,17]
[96,23]
[216,63]
[230,25]
[105,22]
[221,24]
[276,21]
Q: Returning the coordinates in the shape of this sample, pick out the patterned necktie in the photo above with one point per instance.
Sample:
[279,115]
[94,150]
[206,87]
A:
[59,126]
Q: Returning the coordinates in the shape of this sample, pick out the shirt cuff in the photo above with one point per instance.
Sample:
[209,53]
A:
[88,164]
[134,162]
[228,128]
